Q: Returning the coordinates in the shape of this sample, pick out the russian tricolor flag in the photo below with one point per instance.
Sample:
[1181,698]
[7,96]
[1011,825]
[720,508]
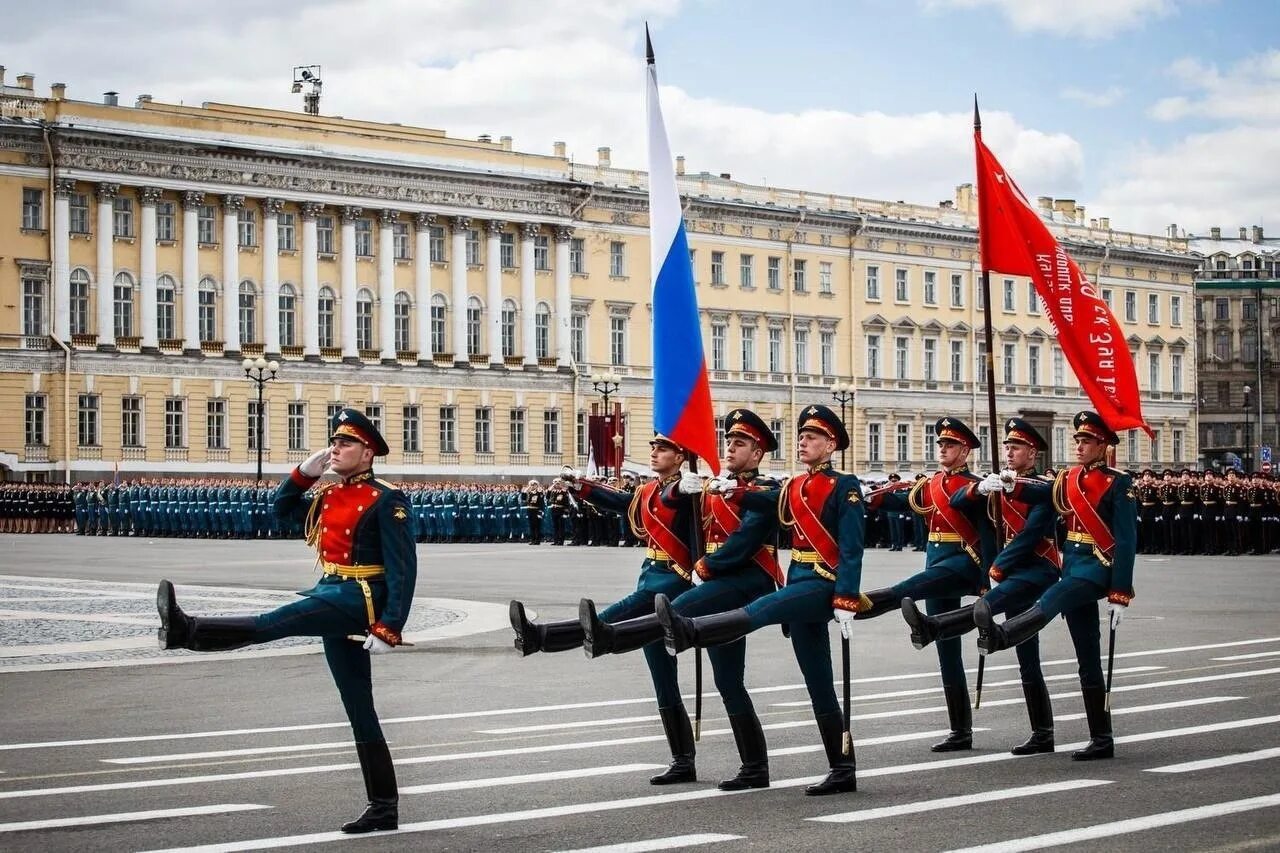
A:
[681,390]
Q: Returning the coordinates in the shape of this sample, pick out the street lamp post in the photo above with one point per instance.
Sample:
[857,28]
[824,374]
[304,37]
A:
[843,394]
[606,384]
[1248,433]
[260,372]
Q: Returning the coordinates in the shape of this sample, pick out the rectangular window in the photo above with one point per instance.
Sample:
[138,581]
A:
[1177,446]
[175,423]
[122,216]
[287,232]
[1132,448]
[507,250]
[32,209]
[578,337]
[930,439]
[775,349]
[472,244]
[448,429]
[800,337]
[165,226]
[875,453]
[930,288]
[33,306]
[331,411]
[1130,306]
[617,258]
[216,424]
[957,361]
[251,425]
[206,225]
[484,430]
[1175,377]
[400,240]
[246,227]
[541,252]
[776,427]
[748,348]
[980,295]
[541,334]
[35,420]
[1010,368]
[1108,297]
[930,360]
[1175,310]
[364,238]
[581,434]
[824,277]
[1248,310]
[774,274]
[578,256]
[827,353]
[1033,299]
[901,286]
[515,436]
[297,426]
[747,271]
[373,412]
[1153,371]
[903,450]
[1033,365]
[79,213]
[131,422]
[324,235]
[957,290]
[719,332]
[87,421]
[551,431]
[798,276]
[411,428]
[1059,368]
[717,268]
[1221,309]
[1153,308]
[873,283]
[984,438]
[435,239]
[873,356]
[617,341]
[1008,294]
[1059,444]
[902,358]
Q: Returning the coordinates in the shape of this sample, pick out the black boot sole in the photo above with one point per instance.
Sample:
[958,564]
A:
[166,605]
[591,626]
[526,639]
[916,622]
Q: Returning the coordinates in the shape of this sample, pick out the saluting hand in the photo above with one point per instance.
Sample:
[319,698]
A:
[313,466]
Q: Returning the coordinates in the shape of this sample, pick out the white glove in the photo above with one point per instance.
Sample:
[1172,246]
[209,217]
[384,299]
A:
[696,579]
[375,646]
[1009,478]
[723,485]
[1117,613]
[990,485]
[690,484]
[844,618]
[313,466]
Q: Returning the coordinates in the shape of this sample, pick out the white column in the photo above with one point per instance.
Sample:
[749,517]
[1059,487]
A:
[387,286]
[347,268]
[231,207]
[61,228]
[271,208]
[458,278]
[191,202]
[528,298]
[564,302]
[106,266]
[422,283]
[147,268]
[493,288]
[310,282]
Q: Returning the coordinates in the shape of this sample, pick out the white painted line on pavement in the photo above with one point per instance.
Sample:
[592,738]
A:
[1253,656]
[1221,761]
[1201,679]
[128,817]
[675,842]
[1124,827]
[116,644]
[1160,706]
[527,778]
[229,753]
[578,724]
[1199,730]
[965,800]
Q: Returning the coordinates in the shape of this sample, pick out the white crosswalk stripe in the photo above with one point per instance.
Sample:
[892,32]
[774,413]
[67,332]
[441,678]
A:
[962,800]
[128,817]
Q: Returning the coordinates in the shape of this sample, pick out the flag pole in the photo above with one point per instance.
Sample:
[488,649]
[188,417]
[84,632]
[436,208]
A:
[991,383]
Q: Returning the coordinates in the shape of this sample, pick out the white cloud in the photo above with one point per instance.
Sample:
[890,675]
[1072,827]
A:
[1249,91]
[1108,97]
[1089,19]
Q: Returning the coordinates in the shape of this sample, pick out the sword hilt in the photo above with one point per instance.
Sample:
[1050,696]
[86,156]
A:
[846,743]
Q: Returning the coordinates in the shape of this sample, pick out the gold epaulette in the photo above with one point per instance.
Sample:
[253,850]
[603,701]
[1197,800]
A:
[916,506]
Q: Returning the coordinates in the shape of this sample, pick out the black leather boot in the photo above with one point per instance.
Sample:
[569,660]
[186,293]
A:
[843,774]
[221,633]
[175,626]
[993,637]
[961,718]
[753,751]
[1040,712]
[383,810]
[545,637]
[926,629]
[675,722]
[882,601]
[604,638]
[1101,744]
[680,632]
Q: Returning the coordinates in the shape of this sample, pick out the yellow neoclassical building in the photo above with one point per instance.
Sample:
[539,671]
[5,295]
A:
[463,293]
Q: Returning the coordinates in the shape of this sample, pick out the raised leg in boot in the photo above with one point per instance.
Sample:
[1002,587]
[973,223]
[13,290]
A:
[843,775]
[603,638]
[926,629]
[993,637]
[383,810]
[681,632]
[543,637]
[200,633]
[882,601]
[675,722]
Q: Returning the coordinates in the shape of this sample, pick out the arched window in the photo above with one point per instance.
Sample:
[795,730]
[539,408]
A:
[324,311]
[208,309]
[508,328]
[288,315]
[364,319]
[438,328]
[475,313]
[123,299]
[403,339]
[542,330]
[248,311]
[79,298]
[166,290]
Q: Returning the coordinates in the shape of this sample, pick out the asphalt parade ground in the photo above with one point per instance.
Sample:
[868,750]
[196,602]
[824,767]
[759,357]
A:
[108,744]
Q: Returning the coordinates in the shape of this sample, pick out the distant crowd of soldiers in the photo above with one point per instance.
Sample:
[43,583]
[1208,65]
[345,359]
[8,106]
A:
[1204,512]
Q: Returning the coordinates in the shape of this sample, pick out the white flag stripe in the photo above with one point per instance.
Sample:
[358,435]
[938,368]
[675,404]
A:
[527,778]
[1124,827]
[128,817]
[1220,761]
[675,842]
[964,800]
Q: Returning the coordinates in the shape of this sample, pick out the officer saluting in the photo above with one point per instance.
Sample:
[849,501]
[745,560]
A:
[825,511]
[1099,507]
[362,529]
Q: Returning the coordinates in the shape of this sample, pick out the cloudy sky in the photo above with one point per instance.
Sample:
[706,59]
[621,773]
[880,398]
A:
[1148,111]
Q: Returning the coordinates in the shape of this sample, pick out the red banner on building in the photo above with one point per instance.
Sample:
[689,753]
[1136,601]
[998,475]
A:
[1014,240]
[606,446]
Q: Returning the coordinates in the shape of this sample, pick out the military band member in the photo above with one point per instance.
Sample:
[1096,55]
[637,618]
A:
[535,502]
[1212,519]
[961,544]
[738,566]
[825,511]
[1148,491]
[1186,516]
[1098,507]
[362,529]
[662,515]
[1026,566]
